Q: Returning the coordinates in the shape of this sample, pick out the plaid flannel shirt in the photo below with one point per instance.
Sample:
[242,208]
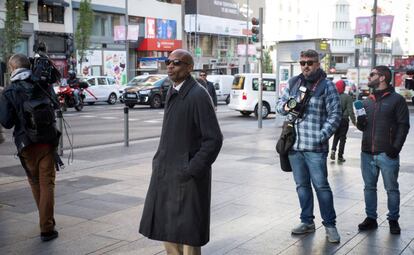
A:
[321,118]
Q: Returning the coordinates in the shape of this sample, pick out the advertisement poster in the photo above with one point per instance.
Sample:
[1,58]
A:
[119,33]
[363,26]
[133,32]
[115,65]
[92,58]
[384,26]
[150,28]
[166,29]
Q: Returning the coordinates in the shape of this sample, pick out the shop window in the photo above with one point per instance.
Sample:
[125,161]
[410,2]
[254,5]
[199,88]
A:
[51,14]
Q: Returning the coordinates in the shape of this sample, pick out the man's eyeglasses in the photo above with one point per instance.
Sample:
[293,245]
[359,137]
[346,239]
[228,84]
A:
[175,62]
[309,62]
[203,75]
[372,74]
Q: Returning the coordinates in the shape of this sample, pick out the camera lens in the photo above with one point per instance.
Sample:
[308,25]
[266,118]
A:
[291,104]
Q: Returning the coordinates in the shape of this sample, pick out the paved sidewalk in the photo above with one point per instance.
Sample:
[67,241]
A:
[99,201]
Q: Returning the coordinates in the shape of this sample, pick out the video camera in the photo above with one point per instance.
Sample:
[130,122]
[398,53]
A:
[297,108]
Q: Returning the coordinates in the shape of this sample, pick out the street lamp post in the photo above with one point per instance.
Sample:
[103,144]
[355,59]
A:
[373,37]
[247,69]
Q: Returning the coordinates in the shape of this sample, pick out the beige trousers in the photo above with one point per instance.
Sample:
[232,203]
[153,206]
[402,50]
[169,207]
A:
[181,249]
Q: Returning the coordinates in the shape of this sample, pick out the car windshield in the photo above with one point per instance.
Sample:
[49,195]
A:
[151,80]
[146,81]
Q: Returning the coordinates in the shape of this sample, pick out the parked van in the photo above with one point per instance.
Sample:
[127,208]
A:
[222,84]
[244,96]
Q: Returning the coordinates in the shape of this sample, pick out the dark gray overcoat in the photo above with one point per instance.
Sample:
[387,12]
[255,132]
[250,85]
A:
[177,206]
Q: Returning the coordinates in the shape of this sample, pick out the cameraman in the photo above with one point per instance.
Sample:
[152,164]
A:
[318,117]
[37,158]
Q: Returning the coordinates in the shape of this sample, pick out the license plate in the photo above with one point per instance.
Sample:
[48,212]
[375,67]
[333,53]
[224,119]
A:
[131,96]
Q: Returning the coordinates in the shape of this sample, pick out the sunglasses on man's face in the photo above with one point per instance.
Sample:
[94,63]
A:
[203,75]
[175,62]
[309,62]
[372,74]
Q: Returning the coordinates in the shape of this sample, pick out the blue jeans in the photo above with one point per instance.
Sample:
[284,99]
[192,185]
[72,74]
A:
[310,167]
[371,165]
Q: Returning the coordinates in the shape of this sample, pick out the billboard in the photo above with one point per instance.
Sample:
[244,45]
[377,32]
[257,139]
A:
[383,28]
[228,9]
[166,29]
[160,29]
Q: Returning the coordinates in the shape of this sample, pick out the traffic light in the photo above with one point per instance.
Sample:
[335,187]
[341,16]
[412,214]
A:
[255,30]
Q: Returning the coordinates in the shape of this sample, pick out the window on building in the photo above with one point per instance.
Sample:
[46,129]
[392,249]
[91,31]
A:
[26,10]
[206,45]
[340,59]
[50,13]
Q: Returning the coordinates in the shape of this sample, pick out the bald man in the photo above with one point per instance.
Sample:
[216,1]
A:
[177,206]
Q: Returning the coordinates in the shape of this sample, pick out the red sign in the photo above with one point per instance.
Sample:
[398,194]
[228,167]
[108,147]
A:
[159,45]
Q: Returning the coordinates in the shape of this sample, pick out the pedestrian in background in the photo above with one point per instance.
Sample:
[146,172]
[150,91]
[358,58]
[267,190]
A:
[37,157]
[385,127]
[2,138]
[347,113]
[210,88]
[319,121]
[177,206]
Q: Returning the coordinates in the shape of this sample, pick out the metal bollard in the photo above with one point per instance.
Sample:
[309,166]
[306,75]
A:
[126,127]
[59,117]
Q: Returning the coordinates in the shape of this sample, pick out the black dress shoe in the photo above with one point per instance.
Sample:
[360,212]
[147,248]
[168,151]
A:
[47,236]
[394,227]
[368,224]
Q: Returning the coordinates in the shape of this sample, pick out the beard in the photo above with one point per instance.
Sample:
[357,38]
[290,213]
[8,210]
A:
[374,84]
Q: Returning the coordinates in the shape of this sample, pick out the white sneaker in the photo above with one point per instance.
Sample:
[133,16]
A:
[303,228]
[332,235]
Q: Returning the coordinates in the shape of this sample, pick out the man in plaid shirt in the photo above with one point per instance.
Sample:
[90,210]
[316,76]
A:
[313,128]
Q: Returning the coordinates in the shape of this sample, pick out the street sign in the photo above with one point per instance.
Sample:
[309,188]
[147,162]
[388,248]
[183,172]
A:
[198,52]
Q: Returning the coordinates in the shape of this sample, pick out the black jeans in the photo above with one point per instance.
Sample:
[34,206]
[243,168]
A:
[340,135]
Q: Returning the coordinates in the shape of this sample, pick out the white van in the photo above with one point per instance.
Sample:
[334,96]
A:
[222,84]
[244,96]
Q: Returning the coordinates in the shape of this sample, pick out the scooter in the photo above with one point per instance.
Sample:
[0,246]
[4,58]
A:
[66,96]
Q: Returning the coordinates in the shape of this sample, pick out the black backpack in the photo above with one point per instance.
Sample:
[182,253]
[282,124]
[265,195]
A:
[39,116]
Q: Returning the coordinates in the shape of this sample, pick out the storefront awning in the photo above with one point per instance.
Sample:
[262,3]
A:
[55,2]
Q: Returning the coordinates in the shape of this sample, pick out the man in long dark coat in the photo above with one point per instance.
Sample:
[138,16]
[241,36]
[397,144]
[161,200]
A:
[177,206]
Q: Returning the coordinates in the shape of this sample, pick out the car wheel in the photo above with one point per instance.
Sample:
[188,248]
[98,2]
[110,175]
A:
[91,103]
[112,98]
[245,113]
[156,102]
[130,105]
[265,110]
[228,99]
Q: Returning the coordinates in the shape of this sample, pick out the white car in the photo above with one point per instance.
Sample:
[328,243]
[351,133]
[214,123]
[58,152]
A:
[101,89]
[222,84]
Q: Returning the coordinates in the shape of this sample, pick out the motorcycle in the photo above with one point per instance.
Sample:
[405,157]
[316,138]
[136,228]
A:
[66,96]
